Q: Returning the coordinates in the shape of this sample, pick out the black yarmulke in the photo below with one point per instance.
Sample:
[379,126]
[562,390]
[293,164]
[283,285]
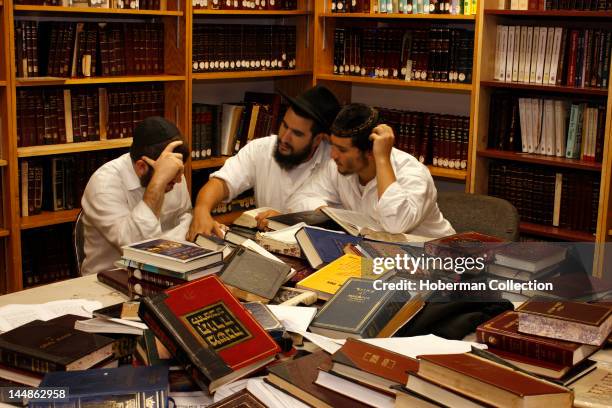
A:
[154,130]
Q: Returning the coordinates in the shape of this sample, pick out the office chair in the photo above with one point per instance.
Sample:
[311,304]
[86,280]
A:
[485,214]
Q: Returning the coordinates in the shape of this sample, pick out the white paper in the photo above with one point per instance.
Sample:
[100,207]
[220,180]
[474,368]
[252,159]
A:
[353,390]
[15,315]
[197,399]
[422,345]
[286,235]
[272,397]
[230,389]
[328,344]
[295,318]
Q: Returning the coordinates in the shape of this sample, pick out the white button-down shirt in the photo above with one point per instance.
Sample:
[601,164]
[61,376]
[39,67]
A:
[254,167]
[115,215]
[407,205]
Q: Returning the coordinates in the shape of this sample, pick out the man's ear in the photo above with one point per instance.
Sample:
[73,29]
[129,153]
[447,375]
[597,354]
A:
[140,167]
[320,137]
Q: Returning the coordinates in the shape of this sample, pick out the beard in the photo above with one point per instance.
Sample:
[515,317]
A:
[354,166]
[145,179]
[294,159]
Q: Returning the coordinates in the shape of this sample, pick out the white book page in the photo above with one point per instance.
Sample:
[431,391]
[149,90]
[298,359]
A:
[356,220]
[285,235]
[423,345]
[271,396]
[294,318]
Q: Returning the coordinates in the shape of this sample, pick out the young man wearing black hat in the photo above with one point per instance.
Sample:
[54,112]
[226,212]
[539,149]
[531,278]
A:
[368,175]
[141,194]
[275,166]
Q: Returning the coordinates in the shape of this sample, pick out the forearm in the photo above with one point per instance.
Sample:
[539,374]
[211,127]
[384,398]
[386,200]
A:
[154,197]
[385,176]
[211,195]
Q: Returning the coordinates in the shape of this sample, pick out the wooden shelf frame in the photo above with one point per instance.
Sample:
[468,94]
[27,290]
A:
[540,159]
[451,174]
[398,83]
[209,163]
[53,81]
[92,10]
[210,76]
[399,16]
[546,88]
[251,13]
[47,218]
[550,13]
[555,232]
[46,150]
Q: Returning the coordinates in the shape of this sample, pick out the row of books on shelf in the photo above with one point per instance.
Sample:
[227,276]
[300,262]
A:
[542,195]
[548,5]
[223,129]
[64,115]
[440,140]
[551,127]
[577,57]
[244,4]
[58,183]
[104,4]
[240,47]
[454,7]
[77,50]
[439,54]
[45,258]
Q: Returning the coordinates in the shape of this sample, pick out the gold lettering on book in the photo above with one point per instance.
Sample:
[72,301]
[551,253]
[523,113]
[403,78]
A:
[217,326]
[557,307]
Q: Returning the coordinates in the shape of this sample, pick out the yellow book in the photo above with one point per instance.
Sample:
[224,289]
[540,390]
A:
[327,280]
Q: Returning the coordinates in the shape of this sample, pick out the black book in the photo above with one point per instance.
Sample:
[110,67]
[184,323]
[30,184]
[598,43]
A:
[312,218]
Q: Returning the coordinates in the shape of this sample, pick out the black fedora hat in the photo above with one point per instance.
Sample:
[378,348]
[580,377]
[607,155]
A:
[317,103]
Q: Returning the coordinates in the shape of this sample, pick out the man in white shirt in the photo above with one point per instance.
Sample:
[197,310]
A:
[139,195]
[275,166]
[368,175]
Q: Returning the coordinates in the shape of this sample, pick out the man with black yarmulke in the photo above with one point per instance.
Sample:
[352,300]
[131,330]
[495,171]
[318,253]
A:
[368,175]
[139,195]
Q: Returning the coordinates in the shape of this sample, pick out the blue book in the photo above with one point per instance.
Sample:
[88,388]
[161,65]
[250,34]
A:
[322,246]
[125,385]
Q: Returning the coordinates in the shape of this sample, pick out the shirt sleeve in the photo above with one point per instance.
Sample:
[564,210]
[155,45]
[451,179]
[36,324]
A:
[109,213]
[406,202]
[183,217]
[320,190]
[239,171]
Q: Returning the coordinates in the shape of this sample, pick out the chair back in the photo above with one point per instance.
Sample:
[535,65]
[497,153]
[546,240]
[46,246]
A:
[485,214]
[78,241]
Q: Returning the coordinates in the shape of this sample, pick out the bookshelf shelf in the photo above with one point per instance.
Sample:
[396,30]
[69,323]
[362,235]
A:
[44,150]
[4,232]
[3,163]
[46,81]
[208,163]
[47,218]
[91,10]
[447,173]
[227,218]
[3,83]
[250,13]
[250,74]
[440,86]
[400,16]
[546,88]
[555,232]
[540,159]
[550,13]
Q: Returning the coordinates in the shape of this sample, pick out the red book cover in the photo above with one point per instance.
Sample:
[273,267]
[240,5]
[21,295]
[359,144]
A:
[205,327]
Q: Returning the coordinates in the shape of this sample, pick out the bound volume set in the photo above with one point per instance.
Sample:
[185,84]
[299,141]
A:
[76,50]
[577,57]
[239,47]
[439,54]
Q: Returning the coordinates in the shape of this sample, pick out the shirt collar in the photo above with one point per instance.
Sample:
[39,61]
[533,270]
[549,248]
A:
[131,180]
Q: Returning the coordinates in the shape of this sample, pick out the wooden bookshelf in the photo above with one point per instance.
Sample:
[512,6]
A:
[46,150]
[3,83]
[399,83]
[555,232]
[252,13]
[204,76]
[4,232]
[395,16]
[208,163]
[3,163]
[47,218]
[540,159]
[453,174]
[92,10]
[551,13]
[546,88]
[47,81]
[228,218]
